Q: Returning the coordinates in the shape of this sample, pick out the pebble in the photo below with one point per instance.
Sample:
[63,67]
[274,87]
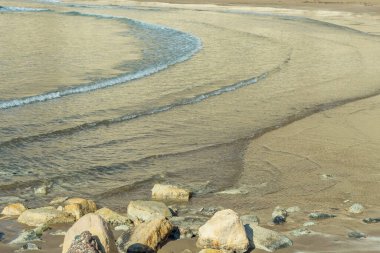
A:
[356,208]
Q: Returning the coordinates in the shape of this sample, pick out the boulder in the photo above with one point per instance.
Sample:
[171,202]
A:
[44,215]
[85,243]
[79,207]
[224,231]
[266,239]
[169,192]
[112,217]
[147,210]
[148,236]
[98,228]
[14,209]
[356,208]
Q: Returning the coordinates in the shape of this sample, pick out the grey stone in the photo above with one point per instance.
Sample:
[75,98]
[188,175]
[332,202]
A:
[318,216]
[356,208]
[29,246]
[279,215]
[300,232]
[371,220]
[26,236]
[356,235]
[85,243]
[309,223]
[147,210]
[42,190]
[187,227]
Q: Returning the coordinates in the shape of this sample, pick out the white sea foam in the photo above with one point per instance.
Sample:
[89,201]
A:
[195,43]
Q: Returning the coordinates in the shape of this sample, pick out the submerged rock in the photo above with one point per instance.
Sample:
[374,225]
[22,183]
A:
[98,228]
[224,231]
[356,235]
[371,220]
[266,239]
[30,235]
[147,237]
[28,246]
[147,210]
[279,215]
[169,192]
[42,190]
[14,209]
[356,208]
[44,215]
[84,243]
[113,218]
[209,211]
[300,232]
[187,227]
[321,216]
[309,223]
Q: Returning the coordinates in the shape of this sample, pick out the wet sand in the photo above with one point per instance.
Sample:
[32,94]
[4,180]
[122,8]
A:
[334,133]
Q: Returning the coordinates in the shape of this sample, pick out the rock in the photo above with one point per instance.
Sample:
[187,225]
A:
[309,223]
[209,211]
[99,228]
[169,192]
[123,228]
[211,251]
[78,207]
[371,220]
[14,209]
[356,208]
[186,227]
[44,215]
[58,200]
[326,176]
[224,231]
[293,209]
[266,239]
[300,232]
[26,236]
[2,235]
[279,215]
[147,210]
[29,246]
[250,219]
[112,217]
[147,236]
[356,235]
[85,243]
[42,190]
[321,216]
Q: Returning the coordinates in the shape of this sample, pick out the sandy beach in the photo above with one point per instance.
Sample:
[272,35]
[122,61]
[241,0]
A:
[300,127]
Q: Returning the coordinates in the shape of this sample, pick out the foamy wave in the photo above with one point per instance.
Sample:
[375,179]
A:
[20,9]
[193,45]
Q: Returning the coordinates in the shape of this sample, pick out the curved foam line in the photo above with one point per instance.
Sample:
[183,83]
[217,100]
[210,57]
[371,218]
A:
[196,46]
[20,9]
[188,101]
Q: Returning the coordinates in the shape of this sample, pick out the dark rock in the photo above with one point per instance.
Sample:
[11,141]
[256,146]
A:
[356,235]
[2,235]
[279,220]
[186,227]
[321,216]
[371,220]
[84,243]
[209,211]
